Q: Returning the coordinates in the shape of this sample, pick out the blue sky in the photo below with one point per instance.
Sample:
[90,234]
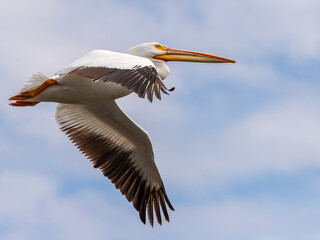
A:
[237,145]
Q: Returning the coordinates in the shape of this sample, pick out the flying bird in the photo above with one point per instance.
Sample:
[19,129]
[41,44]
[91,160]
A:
[88,114]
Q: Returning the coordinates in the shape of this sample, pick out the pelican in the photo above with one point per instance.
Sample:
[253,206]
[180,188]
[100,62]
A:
[88,114]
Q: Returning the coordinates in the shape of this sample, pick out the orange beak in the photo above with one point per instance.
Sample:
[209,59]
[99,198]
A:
[173,54]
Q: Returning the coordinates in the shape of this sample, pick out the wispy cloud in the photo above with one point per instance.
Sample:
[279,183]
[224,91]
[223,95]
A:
[224,124]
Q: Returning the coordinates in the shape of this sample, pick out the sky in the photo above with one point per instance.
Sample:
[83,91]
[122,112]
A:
[237,145]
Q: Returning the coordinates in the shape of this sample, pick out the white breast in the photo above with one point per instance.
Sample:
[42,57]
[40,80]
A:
[73,89]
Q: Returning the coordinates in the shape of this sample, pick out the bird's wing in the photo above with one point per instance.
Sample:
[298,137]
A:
[121,149]
[132,72]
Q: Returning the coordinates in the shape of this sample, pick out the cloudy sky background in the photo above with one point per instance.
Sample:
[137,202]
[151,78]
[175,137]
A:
[237,145]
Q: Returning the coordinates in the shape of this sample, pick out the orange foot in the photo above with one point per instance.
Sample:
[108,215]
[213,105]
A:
[35,92]
[23,96]
[23,103]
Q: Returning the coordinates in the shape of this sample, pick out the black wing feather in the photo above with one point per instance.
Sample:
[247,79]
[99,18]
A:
[140,80]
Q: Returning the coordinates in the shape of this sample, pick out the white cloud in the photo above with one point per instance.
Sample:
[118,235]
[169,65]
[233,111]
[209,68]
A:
[281,137]
[34,207]
[249,28]
[240,18]
[278,135]
[258,218]
[37,122]
[21,195]
[242,75]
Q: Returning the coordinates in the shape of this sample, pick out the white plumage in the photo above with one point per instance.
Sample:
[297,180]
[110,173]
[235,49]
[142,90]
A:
[105,58]
[88,114]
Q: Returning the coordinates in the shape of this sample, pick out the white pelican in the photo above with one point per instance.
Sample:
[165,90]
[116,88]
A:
[87,112]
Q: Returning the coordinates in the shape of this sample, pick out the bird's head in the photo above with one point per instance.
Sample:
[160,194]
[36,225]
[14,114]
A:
[161,52]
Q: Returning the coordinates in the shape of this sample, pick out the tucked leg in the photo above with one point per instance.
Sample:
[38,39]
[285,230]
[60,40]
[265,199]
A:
[33,93]
[23,104]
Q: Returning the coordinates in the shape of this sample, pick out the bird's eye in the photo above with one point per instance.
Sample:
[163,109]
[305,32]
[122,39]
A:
[160,47]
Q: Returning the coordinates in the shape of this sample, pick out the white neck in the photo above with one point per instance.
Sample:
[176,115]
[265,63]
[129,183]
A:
[162,68]
[147,50]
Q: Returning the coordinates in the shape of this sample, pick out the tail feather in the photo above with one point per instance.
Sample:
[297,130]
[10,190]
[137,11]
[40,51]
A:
[35,81]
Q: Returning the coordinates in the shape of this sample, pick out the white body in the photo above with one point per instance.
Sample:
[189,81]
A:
[72,89]
[88,114]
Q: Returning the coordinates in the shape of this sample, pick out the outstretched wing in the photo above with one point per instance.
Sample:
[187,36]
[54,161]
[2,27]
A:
[121,150]
[132,72]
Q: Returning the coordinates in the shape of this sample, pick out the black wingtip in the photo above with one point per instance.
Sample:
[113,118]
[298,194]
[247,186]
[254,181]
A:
[167,200]
[142,218]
